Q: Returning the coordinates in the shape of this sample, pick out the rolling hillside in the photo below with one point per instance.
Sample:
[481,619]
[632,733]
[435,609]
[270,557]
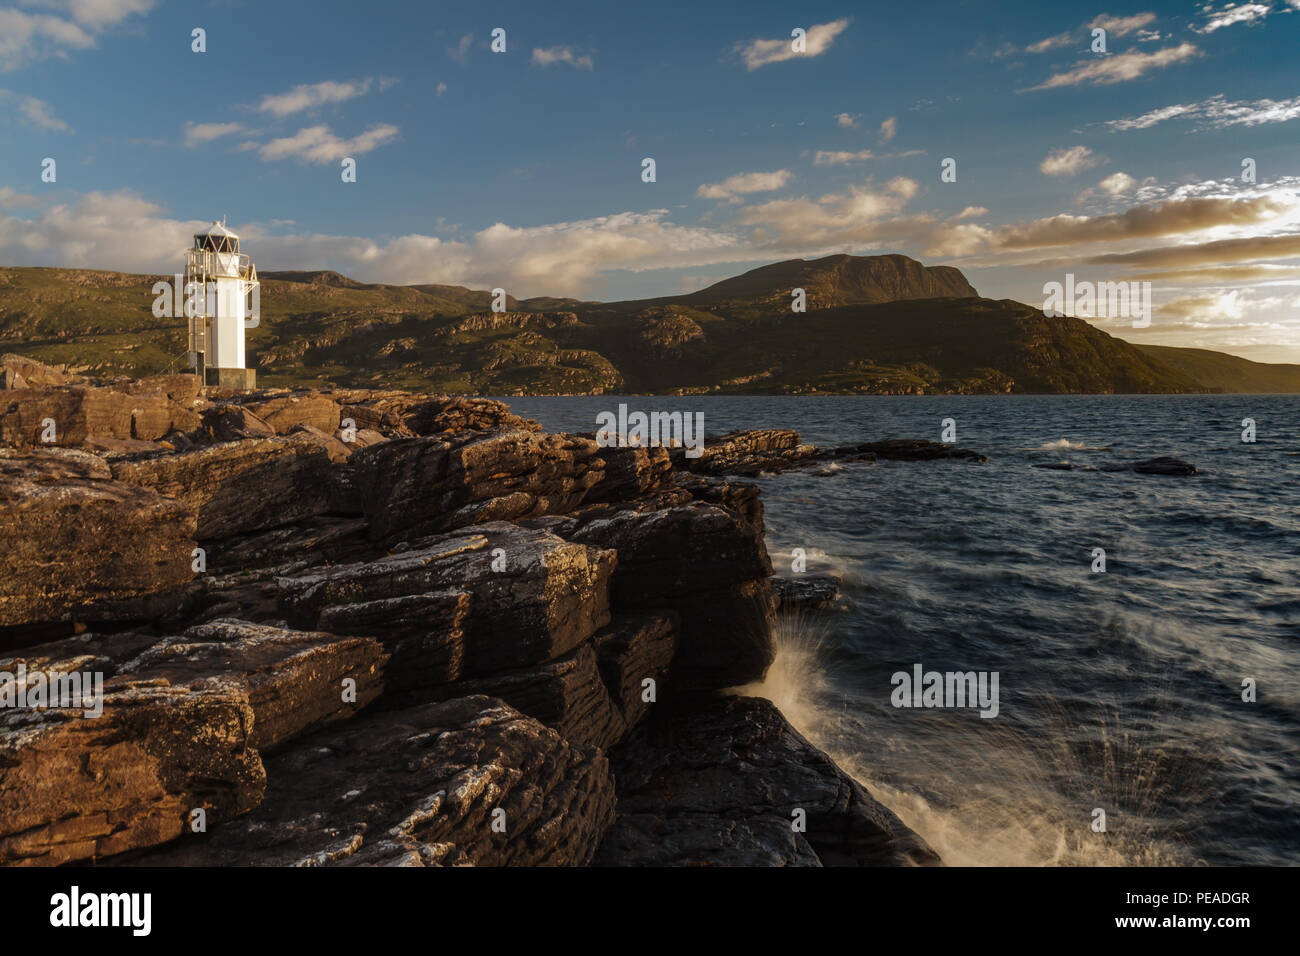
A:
[874,325]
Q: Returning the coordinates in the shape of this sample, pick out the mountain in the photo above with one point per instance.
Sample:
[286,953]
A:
[874,325]
[839,280]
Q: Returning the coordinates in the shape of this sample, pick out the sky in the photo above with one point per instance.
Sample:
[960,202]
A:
[524,169]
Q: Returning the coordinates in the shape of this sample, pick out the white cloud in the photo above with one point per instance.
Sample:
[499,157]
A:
[198,133]
[1117,184]
[561,54]
[25,37]
[1118,68]
[310,95]
[1068,162]
[36,112]
[841,157]
[442,88]
[971,211]
[1122,26]
[819,38]
[317,144]
[847,120]
[1216,113]
[888,129]
[743,183]
[1230,14]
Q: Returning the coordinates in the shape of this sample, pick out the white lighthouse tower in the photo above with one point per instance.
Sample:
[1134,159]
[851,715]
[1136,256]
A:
[221,283]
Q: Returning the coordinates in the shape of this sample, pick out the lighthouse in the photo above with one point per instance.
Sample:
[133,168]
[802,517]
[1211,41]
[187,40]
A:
[222,293]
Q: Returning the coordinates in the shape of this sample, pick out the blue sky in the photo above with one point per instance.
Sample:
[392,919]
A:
[522,169]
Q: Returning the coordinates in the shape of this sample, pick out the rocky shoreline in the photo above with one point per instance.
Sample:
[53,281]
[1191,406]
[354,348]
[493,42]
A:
[368,627]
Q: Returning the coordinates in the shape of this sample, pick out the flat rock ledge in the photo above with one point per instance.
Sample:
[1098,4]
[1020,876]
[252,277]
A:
[370,628]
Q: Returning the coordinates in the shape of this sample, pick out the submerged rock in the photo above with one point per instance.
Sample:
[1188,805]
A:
[805,592]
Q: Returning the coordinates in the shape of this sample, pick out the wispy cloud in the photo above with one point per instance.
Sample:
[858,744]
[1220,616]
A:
[199,133]
[311,95]
[819,38]
[36,112]
[841,157]
[460,52]
[744,183]
[1230,14]
[317,144]
[1216,113]
[561,54]
[848,120]
[1119,68]
[888,129]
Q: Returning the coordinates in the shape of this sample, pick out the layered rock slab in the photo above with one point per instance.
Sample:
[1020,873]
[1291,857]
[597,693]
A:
[80,546]
[411,487]
[78,788]
[241,486]
[461,605]
[419,787]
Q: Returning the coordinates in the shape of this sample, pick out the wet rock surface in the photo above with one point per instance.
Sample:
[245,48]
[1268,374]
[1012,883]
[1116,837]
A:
[721,782]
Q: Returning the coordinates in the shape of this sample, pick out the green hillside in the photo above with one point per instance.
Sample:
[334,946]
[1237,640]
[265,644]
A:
[875,325]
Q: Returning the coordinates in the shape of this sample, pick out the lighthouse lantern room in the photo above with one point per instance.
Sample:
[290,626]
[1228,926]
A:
[221,283]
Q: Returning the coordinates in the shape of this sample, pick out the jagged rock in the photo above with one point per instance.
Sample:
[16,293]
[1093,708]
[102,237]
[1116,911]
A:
[634,648]
[76,788]
[402,415]
[80,546]
[292,547]
[716,782]
[907,449]
[293,679]
[419,787]
[417,486]
[806,592]
[19,371]
[225,423]
[549,596]
[308,408]
[1164,465]
[79,412]
[707,564]
[566,694]
[631,473]
[748,453]
[243,486]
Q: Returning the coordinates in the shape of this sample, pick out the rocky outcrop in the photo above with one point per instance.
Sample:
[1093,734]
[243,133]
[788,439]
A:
[75,788]
[362,628]
[242,486]
[728,782]
[418,486]
[805,592]
[749,453]
[79,546]
[529,596]
[706,564]
[469,781]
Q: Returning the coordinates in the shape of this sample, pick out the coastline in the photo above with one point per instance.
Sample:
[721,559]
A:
[548,627]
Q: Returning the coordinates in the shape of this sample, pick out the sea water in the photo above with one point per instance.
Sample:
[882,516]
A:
[1120,691]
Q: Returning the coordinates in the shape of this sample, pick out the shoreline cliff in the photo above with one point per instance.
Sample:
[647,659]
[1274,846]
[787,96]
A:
[371,627]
